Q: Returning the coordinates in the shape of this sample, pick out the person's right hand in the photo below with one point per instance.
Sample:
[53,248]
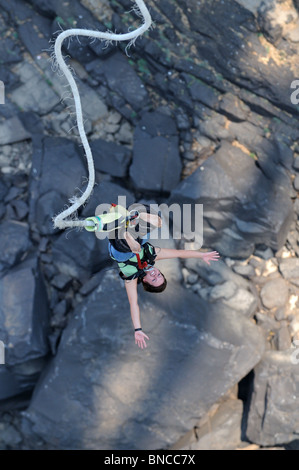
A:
[210,256]
[140,339]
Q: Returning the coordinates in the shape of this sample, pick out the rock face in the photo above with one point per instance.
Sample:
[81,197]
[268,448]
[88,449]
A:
[201,110]
[274,293]
[290,269]
[147,395]
[241,206]
[14,242]
[156,162]
[273,417]
[51,172]
[220,431]
[24,326]
[110,158]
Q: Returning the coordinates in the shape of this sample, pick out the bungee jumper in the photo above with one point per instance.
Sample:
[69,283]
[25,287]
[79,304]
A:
[135,255]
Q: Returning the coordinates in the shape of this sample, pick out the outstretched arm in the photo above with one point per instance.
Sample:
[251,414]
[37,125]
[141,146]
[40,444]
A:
[167,253]
[131,288]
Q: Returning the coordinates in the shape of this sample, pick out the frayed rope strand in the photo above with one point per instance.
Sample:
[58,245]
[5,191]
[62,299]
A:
[59,221]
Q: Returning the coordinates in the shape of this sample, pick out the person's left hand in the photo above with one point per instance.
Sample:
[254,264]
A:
[140,339]
[210,256]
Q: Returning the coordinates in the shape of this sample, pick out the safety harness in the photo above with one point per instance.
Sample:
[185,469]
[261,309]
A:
[136,266]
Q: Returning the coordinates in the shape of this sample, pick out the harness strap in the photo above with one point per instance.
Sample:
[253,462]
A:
[140,264]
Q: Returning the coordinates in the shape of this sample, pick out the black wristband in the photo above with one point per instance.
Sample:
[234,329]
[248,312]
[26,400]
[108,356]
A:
[138,329]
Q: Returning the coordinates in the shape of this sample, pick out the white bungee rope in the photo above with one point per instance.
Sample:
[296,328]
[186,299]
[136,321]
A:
[140,8]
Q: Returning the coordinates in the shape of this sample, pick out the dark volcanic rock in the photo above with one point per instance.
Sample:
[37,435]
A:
[10,51]
[121,79]
[273,416]
[213,76]
[79,254]
[156,162]
[273,31]
[227,35]
[201,92]
[289,268]
[274,293]
[133,399]
[21,208]
[220,430]
[14,242]
[253,209]
[47,206]
[68,12]
[57,167]
[12,130]
[45,7]
[24,313]
[79,49]
[110,157]
[34,38]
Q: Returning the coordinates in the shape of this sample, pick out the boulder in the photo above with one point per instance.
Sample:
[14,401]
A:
[18,381]
[155,123]
[44,7]
[233,107]
[24,313]
[9,386]
[156,164]
[47,206]
[35,34]
[216,274]
[121,79]
[273,417]
[14,242]
[12,130]
[79,48]
[10,51]
[4,189]
[219,430]
[132,398]
[228,288]
[249,208]
[289,268]
[107,193]
[93,107]
[296,183]
[34,94]
[274,293]
[57,167]
[24,327]
[275,21]
[201,92]
[78,254]
[110,158]
[236,30]
[10,80]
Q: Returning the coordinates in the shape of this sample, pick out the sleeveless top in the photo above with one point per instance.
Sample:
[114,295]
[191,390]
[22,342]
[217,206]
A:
[136,265]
